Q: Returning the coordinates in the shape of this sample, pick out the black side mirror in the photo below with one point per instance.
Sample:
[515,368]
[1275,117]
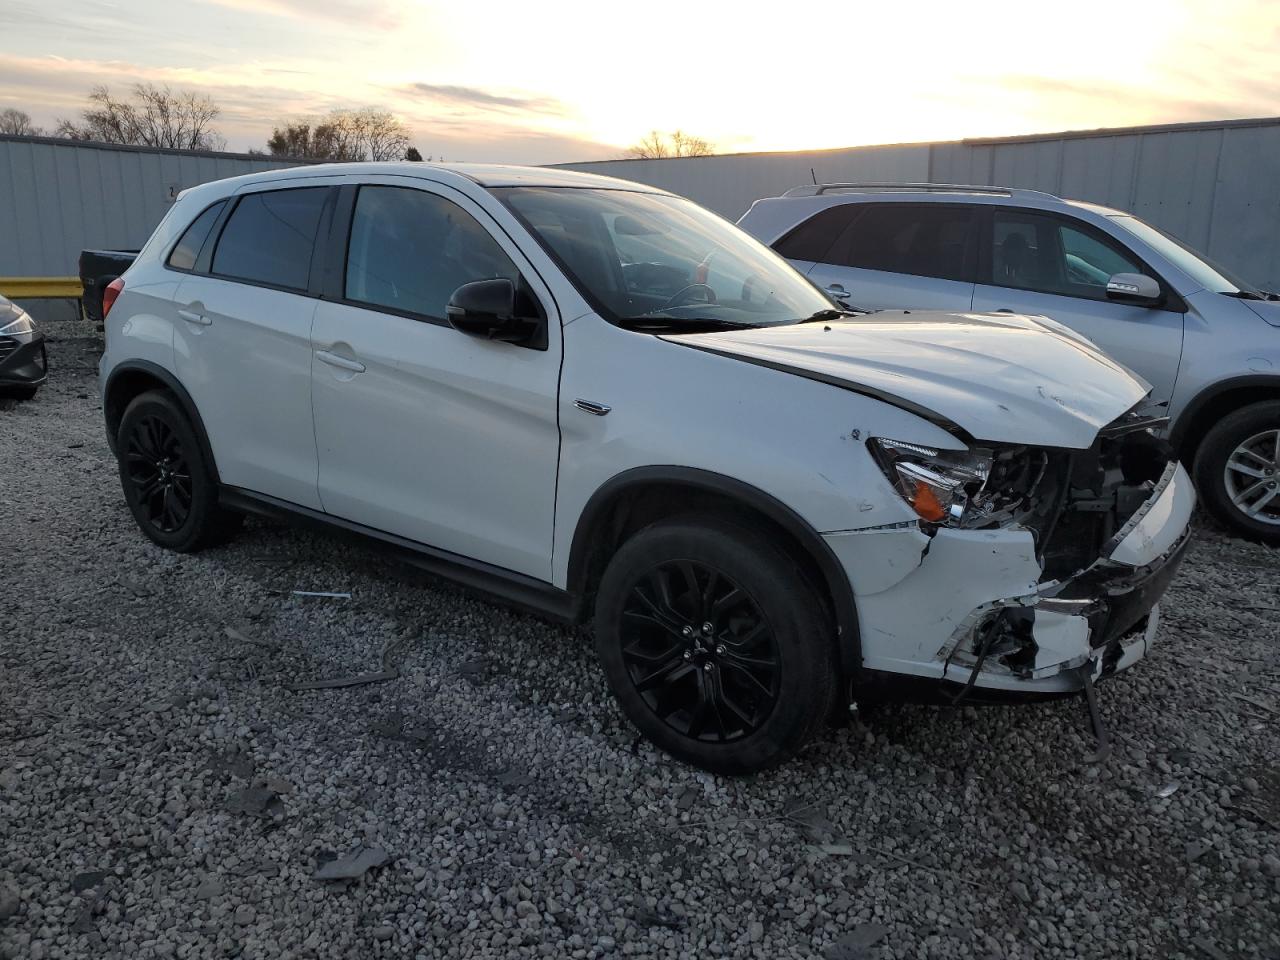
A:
[495,310]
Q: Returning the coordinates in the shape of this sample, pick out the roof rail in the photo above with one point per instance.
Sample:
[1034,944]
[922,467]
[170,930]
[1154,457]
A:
[817,189]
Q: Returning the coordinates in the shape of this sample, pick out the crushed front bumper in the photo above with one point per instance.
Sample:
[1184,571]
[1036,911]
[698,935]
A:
[968,607]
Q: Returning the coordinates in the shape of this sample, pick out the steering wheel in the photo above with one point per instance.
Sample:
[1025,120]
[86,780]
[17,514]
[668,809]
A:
[686,295]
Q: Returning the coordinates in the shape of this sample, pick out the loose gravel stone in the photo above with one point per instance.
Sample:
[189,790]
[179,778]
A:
[518,815]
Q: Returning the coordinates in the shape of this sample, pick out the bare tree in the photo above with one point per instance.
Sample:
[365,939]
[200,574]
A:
[154,117]
[18,123]
[413,155]
[367,134]
[657,145]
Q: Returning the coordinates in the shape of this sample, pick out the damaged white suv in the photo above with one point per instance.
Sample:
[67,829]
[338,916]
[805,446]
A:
[599,401]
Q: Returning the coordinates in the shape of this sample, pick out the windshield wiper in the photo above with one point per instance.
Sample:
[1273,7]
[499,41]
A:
[682,324]
[824,316]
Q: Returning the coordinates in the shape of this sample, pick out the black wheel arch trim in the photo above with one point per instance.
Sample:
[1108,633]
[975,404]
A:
[1210,393]
[177,389]
[836,581]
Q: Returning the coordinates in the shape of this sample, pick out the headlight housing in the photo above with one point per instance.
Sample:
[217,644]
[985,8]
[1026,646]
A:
[16,323]
[939,485]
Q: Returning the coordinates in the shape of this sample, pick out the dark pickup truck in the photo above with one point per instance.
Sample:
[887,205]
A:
[97,269]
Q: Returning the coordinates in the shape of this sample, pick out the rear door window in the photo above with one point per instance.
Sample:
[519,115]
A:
[270,237]
[814,238]
[187,251]
[410,250]
[926,240]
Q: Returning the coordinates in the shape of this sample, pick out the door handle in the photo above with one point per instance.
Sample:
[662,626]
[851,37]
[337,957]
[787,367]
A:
[333,360]
[837,290]
[193,316]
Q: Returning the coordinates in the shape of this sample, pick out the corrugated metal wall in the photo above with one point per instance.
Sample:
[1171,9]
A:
[1215,186]
[58,197]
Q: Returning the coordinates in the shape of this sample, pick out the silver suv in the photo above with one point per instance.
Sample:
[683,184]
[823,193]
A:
[1208,342]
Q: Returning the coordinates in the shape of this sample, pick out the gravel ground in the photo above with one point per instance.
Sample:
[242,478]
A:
[164,793]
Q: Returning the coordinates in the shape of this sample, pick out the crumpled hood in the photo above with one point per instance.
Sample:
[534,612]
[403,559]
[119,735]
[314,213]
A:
[999,377]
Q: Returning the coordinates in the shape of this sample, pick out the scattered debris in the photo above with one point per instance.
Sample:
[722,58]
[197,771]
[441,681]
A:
[688,797]
[237,764]
[240,636]
[337,682]
[653,918]
[1209,949]
[354,865]
[834,849]
[1196,850]
[814,824]
[336,594]
[137,589]
[1168,790]
[87,880]
[857,943]
[513,778]
[210,888]
[256,801]
[473,669]
[1259,703]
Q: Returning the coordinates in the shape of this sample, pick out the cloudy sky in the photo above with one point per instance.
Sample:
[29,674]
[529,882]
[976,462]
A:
[568,80]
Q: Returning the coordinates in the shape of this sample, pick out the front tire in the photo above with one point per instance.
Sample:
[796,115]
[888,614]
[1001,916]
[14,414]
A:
[1237,472]
[168,484]
[715,645]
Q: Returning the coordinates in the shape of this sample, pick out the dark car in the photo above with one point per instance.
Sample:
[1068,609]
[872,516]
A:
[23,363]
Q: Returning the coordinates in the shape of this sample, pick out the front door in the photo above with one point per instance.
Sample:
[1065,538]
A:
[422,431]
[1039,263]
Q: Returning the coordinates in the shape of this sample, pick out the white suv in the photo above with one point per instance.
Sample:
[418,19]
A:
[1208,342]
[601,402]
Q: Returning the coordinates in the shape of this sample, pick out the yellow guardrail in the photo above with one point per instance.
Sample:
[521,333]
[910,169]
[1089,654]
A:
[33,288]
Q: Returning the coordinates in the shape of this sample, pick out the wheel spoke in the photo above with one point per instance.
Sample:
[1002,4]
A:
[670,672]
[1240,498]
[727,602]
[739,669]
[1255,508]
[634,653]
[691,585]
[655,615]
[1244,468]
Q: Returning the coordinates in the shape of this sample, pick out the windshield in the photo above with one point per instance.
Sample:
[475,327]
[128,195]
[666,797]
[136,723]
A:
[650,261]
[1209,275]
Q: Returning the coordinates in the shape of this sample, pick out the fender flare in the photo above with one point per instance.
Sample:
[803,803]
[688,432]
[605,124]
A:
[175,387]
[836,581]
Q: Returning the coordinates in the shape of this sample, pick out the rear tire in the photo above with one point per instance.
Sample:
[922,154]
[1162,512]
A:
[1231,472]
[715,645]
[168,484]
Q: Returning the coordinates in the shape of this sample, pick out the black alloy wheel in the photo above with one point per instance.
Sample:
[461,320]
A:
[701,652]
[715,643]
[170,487]
[157,467]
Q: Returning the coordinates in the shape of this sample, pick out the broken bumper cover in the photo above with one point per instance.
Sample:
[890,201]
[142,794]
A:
[968,606]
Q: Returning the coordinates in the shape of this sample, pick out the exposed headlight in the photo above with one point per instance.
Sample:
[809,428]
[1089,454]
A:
[939,484]
[20,327]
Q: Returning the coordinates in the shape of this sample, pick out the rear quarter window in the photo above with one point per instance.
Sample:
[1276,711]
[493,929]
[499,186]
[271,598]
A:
[814,238]
[187,251]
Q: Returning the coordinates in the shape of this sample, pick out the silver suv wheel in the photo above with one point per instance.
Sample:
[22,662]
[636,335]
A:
[1252,477]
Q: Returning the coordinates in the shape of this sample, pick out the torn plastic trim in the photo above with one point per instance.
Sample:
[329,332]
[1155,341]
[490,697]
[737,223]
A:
[1106,614]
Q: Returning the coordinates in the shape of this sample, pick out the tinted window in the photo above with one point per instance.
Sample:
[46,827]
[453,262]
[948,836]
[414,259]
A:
[814,238]
[410,250]
[185,253]
[1049,255]
[928,241]
[269,237]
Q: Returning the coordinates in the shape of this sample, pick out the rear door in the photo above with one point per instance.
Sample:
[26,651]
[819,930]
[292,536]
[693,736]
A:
[902,256]
[425,432]
[1057,266]
[243,344]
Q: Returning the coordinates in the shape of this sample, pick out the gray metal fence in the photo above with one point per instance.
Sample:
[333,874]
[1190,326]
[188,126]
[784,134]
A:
[1215,186]
[58,197]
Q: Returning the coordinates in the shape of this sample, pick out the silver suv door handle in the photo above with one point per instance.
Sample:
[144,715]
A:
[192,316]
[333,360]
[838,291]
